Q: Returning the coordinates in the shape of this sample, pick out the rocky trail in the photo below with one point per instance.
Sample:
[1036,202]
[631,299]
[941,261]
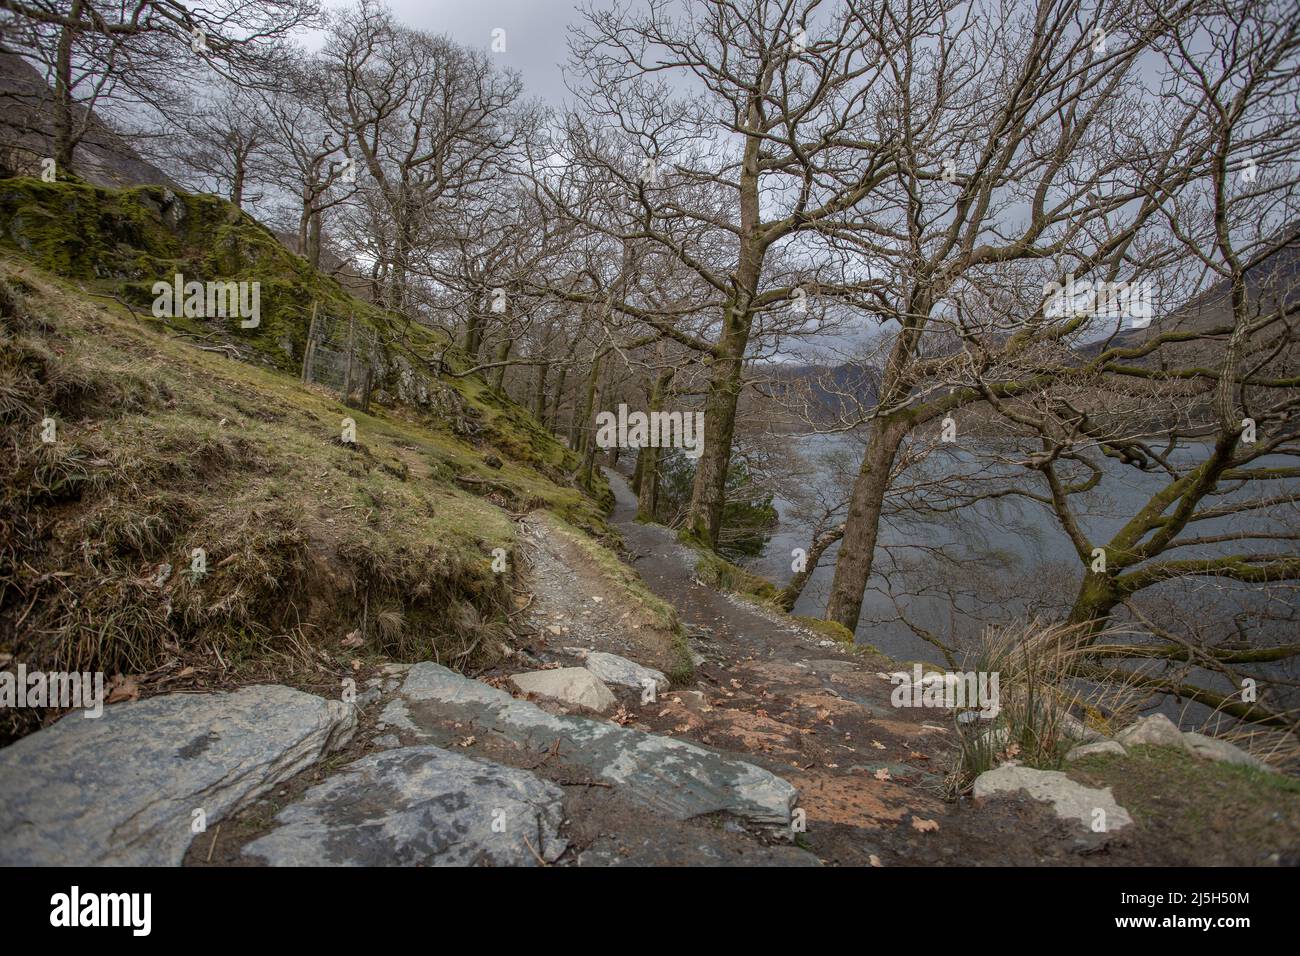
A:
[783,748]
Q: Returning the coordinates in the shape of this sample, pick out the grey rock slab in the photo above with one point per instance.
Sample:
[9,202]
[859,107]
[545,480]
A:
[1091,750]
[1070,799]
[613,669]
[571,685]
[121,789]
[419,806]
[670,776]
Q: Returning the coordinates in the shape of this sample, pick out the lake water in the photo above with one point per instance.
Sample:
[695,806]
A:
[951,574]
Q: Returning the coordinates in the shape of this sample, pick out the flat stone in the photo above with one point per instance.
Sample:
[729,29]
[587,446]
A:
[1070,799]
[622,672]
[670,776]
[419,806]
[1213,748]
[121,789]
[1091,750]
[1156,730]
[571,685]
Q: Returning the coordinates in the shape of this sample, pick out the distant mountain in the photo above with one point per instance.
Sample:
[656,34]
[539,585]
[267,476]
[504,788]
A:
[824,393]
[1271,281]
[104,158]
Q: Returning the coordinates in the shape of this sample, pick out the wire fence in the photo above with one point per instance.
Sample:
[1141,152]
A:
[338,356]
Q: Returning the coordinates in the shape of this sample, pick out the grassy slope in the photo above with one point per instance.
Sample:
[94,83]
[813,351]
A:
[1220,813]
[163,447]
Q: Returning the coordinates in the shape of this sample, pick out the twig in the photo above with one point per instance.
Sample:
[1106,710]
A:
[213,845]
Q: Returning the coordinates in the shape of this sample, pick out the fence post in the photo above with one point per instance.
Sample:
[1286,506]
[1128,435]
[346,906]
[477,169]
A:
[365,390]
[347,377]
[311,346]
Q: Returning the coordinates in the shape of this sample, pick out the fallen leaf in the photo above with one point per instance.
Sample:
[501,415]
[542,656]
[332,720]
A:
[924,826]
[353,640]
[873,860]
[882,774]
[122,688]
[878,745]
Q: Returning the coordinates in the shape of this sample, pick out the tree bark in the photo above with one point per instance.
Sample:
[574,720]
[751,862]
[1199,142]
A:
[647,499]
[862,527]
[64,141]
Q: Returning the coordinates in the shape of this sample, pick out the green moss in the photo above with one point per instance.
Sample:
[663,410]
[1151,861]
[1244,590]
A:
[832,629]
[717,572]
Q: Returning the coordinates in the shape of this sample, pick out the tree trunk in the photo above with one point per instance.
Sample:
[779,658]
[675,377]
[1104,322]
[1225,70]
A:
[861,528]
[313,240]
[638,471]
[647,498]
[474,331]
[539,392]
[708,494]
[503,353]
[1093,604]
[789,595]
[64,141]
[583,420]
[595,388]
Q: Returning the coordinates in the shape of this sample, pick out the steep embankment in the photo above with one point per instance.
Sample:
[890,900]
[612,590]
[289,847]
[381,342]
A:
[171,513]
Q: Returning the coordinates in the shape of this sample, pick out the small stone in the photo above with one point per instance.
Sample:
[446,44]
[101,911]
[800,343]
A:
[1091,750]
[1154,731]
[572,685]
[613,669]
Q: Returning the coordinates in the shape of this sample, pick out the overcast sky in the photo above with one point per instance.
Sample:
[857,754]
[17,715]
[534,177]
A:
[534,34]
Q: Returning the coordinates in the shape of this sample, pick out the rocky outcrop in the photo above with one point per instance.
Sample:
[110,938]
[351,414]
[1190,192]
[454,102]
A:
[1157,730]
[669,776]
[124,789]
[419,806]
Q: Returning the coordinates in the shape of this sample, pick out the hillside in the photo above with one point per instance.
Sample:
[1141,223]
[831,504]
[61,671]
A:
[164,444]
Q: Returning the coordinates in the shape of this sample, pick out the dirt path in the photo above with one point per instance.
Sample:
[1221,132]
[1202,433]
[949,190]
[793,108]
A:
[870,775]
